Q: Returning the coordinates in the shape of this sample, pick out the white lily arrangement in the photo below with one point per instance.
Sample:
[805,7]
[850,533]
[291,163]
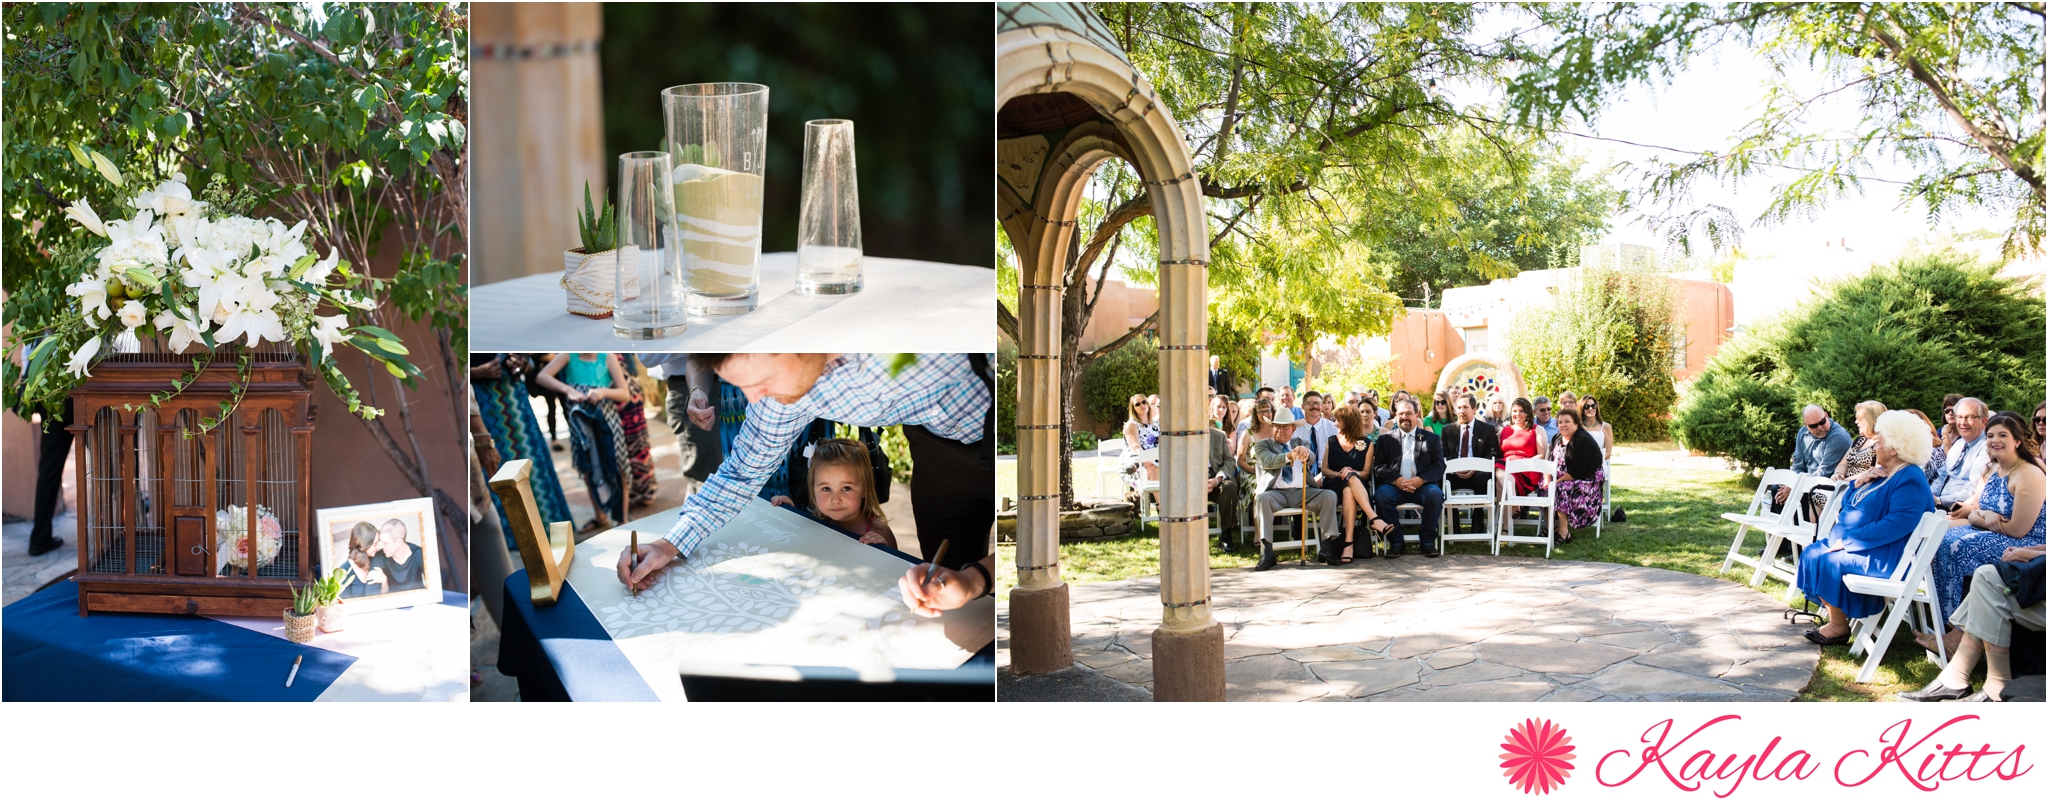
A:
[172,268]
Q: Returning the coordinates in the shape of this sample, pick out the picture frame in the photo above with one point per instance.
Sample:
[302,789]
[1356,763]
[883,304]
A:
[364,536]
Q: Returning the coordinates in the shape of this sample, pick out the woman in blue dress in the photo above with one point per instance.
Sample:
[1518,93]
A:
[2010,510]
[1882,508]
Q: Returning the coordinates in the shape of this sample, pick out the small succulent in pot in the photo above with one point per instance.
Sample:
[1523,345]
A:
[587,271]
[331,610]
[299,620]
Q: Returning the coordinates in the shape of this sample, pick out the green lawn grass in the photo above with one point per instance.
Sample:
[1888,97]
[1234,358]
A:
[1673,523]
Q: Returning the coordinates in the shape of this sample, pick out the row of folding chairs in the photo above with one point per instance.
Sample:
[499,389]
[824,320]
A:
[1501,525]
[1908,592]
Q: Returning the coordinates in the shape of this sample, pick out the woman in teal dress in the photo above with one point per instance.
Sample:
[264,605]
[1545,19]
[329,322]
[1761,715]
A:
[2010,510]
[594,384]
[1882,508]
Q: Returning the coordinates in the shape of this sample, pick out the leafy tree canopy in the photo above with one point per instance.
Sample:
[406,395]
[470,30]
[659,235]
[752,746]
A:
[1953,90]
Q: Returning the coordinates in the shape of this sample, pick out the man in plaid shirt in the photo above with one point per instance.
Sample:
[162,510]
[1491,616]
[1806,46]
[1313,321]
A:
[941,400]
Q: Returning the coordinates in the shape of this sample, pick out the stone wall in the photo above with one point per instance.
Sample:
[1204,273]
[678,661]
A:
[1093,521]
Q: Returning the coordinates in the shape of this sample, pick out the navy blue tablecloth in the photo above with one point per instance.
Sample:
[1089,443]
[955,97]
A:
[561,653]
[49,653]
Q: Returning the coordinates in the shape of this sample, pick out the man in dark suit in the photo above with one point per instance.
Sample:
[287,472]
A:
[1223,480]
[1219,379]
[1470,437]
[1408,468]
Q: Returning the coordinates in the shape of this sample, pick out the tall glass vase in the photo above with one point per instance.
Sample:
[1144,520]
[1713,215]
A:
[828,253]
[649,301]
[717,136]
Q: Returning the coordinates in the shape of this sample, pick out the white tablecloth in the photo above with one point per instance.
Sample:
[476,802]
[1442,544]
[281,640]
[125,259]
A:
[418,653]
[905,306]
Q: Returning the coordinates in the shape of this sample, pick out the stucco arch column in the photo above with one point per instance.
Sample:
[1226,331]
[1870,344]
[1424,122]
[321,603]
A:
[1057,58]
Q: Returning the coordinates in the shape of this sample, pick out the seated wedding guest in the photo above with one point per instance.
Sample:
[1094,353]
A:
[1254,429]
[1316,425]
[1948,419]
[1521,439]
[1496,415]
[1579,475]
[1408,467]
[1439,413]
[1347,467]
[2000,595]
[1859,458]
[1963,468]
[1470,437]
[1372,399]
[1933,464]
[1880,508]
[1567,400]
[1231,416]
[1593,420]
[1141,432]
[1544,421]
[1818,449]
[1282,461]
[1288,403]
[2041,428]
[1223,475]
[1266,393]
[2010,510]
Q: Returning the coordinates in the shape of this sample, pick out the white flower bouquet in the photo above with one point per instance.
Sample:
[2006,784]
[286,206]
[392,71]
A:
[177,269]
[231,527]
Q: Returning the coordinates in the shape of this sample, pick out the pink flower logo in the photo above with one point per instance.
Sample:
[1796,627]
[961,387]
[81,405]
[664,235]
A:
[1538,756]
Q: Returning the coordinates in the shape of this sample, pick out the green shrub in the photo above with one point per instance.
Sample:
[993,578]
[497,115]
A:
[1361,373]
[1741,407]
[1006,397]
[1084,441]
[1608,336]
[1904,335]
[1108,383]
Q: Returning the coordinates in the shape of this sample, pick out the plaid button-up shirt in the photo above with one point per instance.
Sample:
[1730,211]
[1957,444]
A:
[939,392]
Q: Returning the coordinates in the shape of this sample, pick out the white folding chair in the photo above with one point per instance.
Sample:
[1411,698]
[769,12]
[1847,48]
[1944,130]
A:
[1147,490]
[1544,499]
[1911,585]
[1795,528]
[1757,515]
[1106,453]
[1481,500]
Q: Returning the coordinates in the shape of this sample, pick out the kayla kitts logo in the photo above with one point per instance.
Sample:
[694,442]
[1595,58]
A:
[1538,756]
[1713,758]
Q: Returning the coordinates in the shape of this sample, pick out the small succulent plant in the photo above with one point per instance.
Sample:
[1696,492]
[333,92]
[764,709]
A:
[599,231]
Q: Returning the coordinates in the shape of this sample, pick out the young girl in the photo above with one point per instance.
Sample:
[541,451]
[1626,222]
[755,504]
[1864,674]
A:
[843,491]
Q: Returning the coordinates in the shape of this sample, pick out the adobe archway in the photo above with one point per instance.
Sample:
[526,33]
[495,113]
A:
[1069,100]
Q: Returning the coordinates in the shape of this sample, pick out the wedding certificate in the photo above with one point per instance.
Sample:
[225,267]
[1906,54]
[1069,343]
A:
[770,588]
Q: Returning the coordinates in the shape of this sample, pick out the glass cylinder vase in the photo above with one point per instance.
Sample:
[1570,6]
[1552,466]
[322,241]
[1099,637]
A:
[718,137]
[649,285]
[828,253]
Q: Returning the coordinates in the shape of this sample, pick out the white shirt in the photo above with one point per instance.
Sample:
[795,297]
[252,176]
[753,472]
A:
[1964,469]
[1319,434]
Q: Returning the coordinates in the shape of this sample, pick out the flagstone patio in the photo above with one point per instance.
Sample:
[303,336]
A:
[1456,628]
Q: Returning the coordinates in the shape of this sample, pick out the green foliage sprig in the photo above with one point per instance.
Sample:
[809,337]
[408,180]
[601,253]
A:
[1607,334]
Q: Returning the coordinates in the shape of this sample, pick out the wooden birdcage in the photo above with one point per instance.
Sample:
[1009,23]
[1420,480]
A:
[164,508]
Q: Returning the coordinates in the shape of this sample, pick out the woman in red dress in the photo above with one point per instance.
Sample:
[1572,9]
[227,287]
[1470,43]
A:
[1522,439]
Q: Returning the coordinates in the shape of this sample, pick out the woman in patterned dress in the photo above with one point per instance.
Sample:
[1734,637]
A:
[1141,432]
[1579,475]
[1936,460]
[1862,454]
[2010,510]
[594,384]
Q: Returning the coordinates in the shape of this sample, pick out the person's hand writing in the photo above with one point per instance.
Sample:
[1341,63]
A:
[949,589]
[638,574]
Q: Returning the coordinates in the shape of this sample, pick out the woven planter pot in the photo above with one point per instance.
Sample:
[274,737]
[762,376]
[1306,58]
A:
[589,281]
[299,627]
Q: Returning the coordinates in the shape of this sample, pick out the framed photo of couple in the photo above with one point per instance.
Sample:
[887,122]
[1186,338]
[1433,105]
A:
[388,551]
